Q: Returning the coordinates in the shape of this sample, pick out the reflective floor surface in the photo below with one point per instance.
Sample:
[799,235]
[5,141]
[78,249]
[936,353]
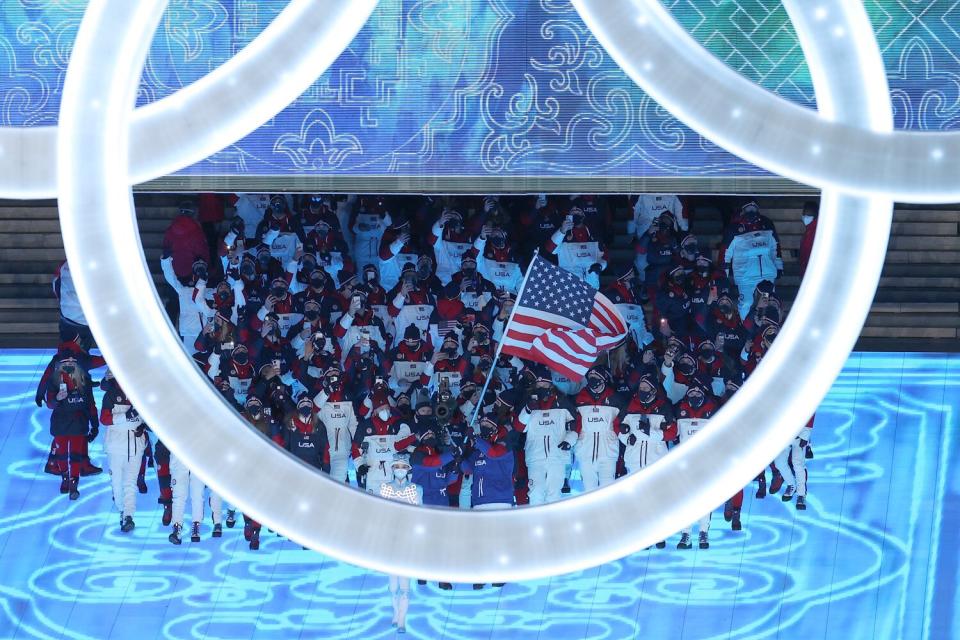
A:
[874,556]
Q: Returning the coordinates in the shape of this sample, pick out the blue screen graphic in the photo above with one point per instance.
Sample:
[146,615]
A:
[481,87]
[874,556]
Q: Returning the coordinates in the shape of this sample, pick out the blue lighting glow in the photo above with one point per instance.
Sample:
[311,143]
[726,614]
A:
[486,88]
[867,559]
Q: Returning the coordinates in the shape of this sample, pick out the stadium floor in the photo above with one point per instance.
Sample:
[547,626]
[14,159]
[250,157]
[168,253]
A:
[874,556]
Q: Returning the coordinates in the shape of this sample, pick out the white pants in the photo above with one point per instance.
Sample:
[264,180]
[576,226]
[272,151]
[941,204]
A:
[183,483]
[545,480]
[746,288]
[466,492]
[796,455]
[124,452]
[378,474]
[196,501]
[400,593]
[338,468]
[704,524]
[596,473]
[189,342]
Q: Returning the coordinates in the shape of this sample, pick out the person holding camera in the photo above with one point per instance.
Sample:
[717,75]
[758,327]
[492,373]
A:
[74,422]
[547,422]
[125,443]
[379,437]
[339,419]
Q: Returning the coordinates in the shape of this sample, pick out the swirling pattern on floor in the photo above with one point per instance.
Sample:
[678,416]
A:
[862,561]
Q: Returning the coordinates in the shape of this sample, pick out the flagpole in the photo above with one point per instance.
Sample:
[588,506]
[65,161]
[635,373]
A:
[503,334]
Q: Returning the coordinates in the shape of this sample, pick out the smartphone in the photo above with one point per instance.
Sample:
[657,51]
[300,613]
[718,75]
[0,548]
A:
[63,387]
[276,365]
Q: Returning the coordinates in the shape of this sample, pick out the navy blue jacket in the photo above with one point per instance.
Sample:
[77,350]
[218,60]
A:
[492,469]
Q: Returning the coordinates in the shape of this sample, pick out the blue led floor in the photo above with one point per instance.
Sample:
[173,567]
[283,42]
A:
[873,557]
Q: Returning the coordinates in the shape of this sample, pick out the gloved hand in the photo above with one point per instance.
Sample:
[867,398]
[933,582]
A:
[139,431]
[132,414]
[624,428]
[631,439]
[94,432]
[564,445]
[595,268]
[39,401]
[362,469]
[803,443]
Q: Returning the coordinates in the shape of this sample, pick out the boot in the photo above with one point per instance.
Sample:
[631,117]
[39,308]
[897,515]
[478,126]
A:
[231,518]
[141,484]
[787,493]
[728,511]
[175,535]
[809,452]
[499,584]
[421,583]
[662,544]
[254,540]
[127,524]
[684,542]
[74,488]
[217,530]
[477,586]
[65,485]
[167,515]
[704,540]
[566,486]
[247,531]
[776,483]
[761,486]
[446,586]
[801,503]
[93,470]
[736,520]
[195,532]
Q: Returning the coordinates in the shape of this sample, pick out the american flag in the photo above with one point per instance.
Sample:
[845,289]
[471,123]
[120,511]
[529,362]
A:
[561,321]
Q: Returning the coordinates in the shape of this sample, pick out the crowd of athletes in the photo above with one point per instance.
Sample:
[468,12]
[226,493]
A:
[358,332]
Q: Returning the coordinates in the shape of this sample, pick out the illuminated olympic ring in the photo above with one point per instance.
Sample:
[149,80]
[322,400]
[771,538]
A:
[213,112]
[778,135]
[101,240]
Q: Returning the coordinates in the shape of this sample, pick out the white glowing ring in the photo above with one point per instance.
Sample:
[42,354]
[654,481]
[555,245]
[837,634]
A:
[102,243]
[762,128]
[213,112]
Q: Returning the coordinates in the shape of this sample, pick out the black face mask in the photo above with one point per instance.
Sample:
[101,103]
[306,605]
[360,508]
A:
[223,295]
[311,315]
[264,259]
[726,309]
[499,241]
[451,352]
[426,422]
[304,412]
[595,385]
[646,396]
[278,292]
[707,354]
[241,358]
[696,399]
[469,272]
[69,368]
[277,208]
[200,273]
[317,283]
[255,411]
[248,271]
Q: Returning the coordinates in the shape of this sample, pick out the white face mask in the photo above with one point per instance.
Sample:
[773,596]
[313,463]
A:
[384,414]
[400,474]
[807,220]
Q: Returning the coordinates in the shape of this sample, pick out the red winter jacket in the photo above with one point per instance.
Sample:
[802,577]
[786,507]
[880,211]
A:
[185,241]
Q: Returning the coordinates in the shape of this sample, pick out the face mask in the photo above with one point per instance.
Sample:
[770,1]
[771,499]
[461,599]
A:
[384,414]
[278,292]
[68,368]
[706,354]
[304,412]
[400,474]
[468,272]
[277,208]
[248,271]
[255,412]
[499,241]
[412,344]
[807,220]
[646,395]
[311,315]
[595,385]
[695,399]
[264,259]
[423,272]
[240,358]
[726,309]
[370,276]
